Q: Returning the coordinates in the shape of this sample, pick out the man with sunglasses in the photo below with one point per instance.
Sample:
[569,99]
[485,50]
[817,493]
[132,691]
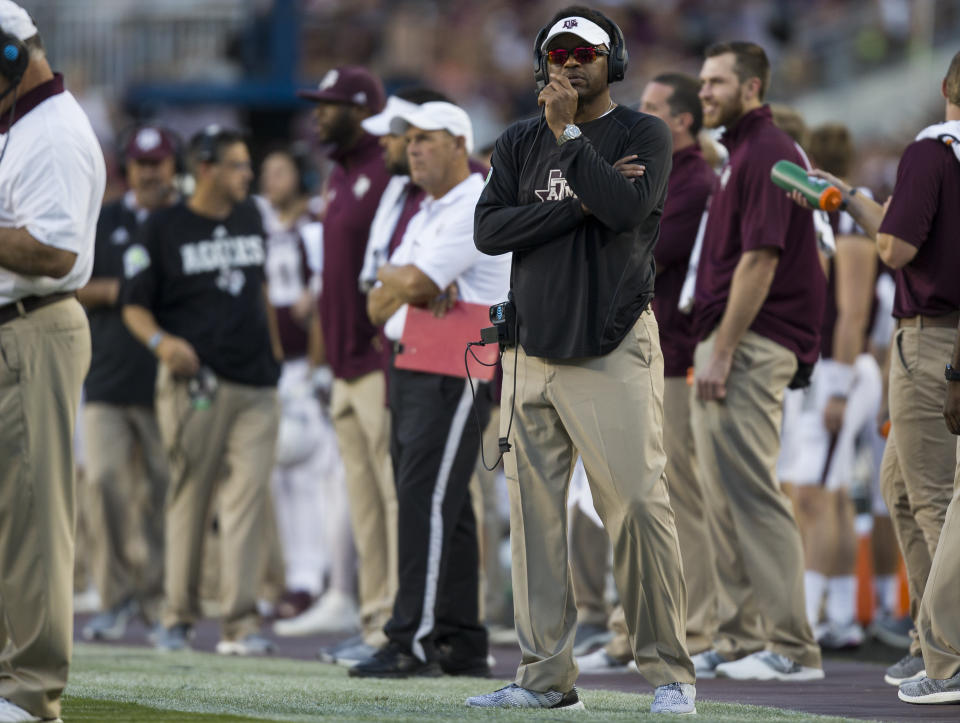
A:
[198,301]
[586,375]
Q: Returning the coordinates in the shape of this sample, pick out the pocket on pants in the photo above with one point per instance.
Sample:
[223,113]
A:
[906,352]
[643,343]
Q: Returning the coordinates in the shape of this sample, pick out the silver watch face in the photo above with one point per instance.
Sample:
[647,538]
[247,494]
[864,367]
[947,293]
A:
[569,133]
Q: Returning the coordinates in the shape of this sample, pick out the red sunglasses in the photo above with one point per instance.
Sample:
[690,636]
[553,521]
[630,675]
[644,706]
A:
[584,55]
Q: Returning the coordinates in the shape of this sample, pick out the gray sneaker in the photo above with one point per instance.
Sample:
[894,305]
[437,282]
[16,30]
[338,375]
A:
[908,669]
[175,638]
[111,624]
[674,698]
[931,690]
[705,663]
[513,696]
[589,637]
[251,645]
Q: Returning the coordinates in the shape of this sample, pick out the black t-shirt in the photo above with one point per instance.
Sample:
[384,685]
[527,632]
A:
[203,280]
[122,370]
[579,281]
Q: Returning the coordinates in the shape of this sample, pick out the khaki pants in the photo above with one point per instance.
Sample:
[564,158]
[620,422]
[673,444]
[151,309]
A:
[126,487]
[916,475]
[694,524]
[610,410]
[939,623]
[589,558]
[737,443]
[44,357]
[362,423]
[237,433]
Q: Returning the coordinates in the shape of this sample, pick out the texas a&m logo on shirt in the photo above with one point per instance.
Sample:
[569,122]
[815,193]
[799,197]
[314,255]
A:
[557,188]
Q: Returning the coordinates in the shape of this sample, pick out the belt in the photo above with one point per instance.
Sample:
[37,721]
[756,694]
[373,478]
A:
[21,307]
[951,320]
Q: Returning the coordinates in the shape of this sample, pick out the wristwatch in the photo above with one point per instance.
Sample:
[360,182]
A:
[570,133]
[154,341]
[951,374]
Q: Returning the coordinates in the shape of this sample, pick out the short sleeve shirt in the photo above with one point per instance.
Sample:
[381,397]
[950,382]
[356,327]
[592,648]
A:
[925,212]
[439,242]
[52,179]
[203,280]
[748,212]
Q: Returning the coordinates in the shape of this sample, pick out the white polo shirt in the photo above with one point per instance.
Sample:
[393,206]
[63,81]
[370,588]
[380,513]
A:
[52,178]
[439,242]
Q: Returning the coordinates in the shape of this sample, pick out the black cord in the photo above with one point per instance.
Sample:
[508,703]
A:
[504,444]
[540,123]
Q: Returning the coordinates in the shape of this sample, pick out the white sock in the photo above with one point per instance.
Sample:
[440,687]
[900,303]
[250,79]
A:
[842,599]
[814,585]
[887,594]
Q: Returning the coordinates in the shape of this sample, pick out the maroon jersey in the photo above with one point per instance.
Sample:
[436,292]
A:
[925,212]
[353,193]
[748,212]
[691,182]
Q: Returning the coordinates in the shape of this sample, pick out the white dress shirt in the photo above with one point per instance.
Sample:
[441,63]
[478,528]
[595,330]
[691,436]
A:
[439,242]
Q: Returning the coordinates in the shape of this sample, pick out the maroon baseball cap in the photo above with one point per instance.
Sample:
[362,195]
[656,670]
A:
[349,84]
[150,143]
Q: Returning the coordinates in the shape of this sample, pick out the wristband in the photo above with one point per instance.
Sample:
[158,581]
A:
[154,341]
[847,197]
[837,379]
[951,374]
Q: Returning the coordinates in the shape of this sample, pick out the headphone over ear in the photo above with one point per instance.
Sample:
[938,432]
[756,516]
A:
[616,61]
[14,58]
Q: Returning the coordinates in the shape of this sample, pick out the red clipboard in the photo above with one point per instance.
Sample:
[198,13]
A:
[437,345]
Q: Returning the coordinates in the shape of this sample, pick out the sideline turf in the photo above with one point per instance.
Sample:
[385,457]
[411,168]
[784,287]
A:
[136,684]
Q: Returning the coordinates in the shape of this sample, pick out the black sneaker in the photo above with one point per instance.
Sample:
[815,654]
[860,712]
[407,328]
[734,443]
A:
[392,661]
[453,664]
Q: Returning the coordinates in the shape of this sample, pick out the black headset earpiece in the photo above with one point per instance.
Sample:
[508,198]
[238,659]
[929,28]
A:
[616,61]
[205,144]
[14,58]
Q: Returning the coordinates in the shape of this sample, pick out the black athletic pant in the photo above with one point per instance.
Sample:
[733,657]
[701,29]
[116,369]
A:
[434,443]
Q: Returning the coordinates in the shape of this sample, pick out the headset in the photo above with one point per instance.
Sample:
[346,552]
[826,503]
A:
[616,61]
[14,59]
[204,145]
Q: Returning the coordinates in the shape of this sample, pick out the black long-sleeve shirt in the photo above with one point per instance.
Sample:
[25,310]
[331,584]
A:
[579,281]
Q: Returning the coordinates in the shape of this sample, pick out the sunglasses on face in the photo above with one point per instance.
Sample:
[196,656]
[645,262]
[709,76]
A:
[583,55]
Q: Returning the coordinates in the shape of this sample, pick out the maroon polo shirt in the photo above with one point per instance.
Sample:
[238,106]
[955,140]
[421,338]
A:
[925,212]
[748,212]
[353,193]
[691,182]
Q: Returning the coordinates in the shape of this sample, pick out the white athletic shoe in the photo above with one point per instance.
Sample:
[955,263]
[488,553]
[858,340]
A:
[334,612]
[599,661]
[767,665]
[930,690]
[909,669]
[250,645]
[513,696]
[838,636]
[705,663]
[677,698]
[10,712]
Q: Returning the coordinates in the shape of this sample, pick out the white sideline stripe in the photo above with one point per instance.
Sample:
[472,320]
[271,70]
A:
[435,548]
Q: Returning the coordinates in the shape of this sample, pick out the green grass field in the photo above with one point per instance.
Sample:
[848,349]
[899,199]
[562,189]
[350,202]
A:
[133,684]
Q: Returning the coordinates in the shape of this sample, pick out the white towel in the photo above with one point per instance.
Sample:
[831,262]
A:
[381,230]
[948,133]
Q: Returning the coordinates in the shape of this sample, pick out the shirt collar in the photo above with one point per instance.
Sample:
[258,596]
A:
[691,151]
[367,145]
[30,100]
[453,195]
[748,123]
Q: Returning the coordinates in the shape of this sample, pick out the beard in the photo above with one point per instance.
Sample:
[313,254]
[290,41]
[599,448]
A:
[342,130]
[728,113]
